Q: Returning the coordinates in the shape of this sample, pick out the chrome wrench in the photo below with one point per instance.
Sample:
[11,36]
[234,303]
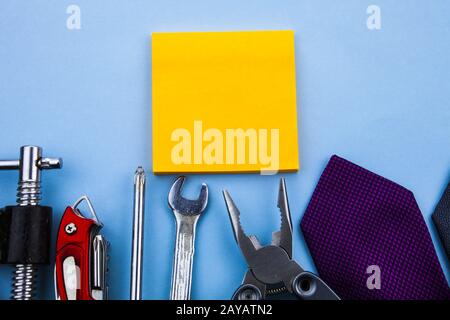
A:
[187,213]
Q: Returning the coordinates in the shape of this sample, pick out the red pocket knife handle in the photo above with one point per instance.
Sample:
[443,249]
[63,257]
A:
[75,243]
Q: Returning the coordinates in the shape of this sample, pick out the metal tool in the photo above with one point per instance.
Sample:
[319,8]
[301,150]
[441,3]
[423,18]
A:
[272,273]
[138,236]
[81,256]
[27,243]
[186,214]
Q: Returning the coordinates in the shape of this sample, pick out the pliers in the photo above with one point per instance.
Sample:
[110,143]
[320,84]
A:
[272,273]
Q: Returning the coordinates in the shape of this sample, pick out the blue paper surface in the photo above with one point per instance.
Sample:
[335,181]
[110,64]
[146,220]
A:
[379,98]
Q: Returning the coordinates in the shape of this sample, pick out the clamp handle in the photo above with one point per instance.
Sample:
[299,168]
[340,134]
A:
[30,165]
[31,157]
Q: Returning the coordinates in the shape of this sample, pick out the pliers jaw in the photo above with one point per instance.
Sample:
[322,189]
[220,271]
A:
[250,245]
[272,274]
[283,237]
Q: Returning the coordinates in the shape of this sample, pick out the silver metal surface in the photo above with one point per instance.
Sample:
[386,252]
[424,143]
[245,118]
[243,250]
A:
[98,252]
[283,237]
[98,287]
[24,282]
[29,165]
[138,236]
[272,272]
[86,199]
[29,188]
[183,257]
[9,164]
[50,163]
[187,213]
[70,228]
[248,244]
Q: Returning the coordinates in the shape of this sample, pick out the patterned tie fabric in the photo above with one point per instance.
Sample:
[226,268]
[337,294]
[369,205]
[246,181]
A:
[441,218]
[356,220]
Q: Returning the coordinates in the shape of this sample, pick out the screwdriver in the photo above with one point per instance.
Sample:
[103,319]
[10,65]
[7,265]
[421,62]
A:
[138,236]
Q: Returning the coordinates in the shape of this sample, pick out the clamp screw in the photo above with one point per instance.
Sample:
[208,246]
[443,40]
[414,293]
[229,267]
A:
[29,165]
[70,228]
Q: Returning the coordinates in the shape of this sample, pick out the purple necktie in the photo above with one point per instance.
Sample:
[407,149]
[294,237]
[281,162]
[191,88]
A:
[357,219]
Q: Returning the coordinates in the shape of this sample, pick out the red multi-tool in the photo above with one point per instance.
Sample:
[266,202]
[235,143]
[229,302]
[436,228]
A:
[81,258]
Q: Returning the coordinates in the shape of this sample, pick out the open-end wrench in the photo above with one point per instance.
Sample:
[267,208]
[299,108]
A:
[186,214]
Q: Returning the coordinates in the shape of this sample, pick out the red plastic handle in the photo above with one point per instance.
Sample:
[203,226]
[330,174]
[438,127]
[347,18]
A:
[78,245]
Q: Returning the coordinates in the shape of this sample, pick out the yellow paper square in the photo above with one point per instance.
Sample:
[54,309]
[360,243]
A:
[234,88]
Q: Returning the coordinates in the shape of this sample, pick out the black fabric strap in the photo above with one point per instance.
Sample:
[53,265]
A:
[441,218]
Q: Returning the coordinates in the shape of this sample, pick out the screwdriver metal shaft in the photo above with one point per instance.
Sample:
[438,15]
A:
[138,237]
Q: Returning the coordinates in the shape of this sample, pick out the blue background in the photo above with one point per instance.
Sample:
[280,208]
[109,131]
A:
[378,98]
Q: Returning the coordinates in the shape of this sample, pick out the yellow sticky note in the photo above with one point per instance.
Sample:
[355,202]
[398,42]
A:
[224,102]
